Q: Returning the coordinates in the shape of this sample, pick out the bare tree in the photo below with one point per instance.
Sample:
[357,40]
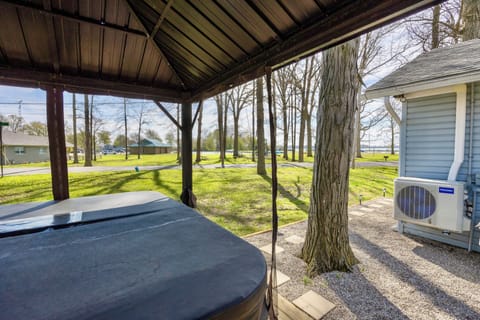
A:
[15,122]
[87,132]
[237,99]
[471,19]
[260,129]
[437,27]
[125,126]
[283,85]
[327,246]
[199,134]
[141,119]
[220,100]
[74,120]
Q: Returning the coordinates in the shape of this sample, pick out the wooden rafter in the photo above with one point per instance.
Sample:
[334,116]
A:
[160,19]
[39,79]
[52,41]
[72,17]
[154,43]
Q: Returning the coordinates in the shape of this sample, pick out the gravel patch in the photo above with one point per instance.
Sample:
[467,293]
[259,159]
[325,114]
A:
[398,277]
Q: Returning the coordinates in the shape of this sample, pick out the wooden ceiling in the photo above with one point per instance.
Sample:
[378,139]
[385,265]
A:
[173,50]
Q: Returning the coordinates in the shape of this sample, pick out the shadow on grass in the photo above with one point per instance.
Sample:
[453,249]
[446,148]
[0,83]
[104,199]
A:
[159,183]
[442,300]
[300,204]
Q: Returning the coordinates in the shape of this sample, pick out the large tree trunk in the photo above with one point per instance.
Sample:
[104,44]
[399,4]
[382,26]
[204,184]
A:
[199,134]
[88,144]
[327,246]
[471,18]
[260,130]
[75,140]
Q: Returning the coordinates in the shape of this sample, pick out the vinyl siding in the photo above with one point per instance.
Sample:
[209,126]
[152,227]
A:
[428,138]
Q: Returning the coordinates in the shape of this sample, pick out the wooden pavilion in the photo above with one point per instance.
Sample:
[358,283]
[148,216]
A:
[142,255]
[167,50]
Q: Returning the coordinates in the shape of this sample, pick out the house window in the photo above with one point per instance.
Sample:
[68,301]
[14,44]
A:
[43,150]
[19,150]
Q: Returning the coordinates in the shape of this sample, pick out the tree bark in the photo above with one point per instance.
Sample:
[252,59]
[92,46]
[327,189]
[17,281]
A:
[224,136]
[75,140]
[471,18]
[199,135]
[125,126]
[327,246]
[436,27]
[260,129]
[179,157]
[219,101]
[253,123]
[88,144]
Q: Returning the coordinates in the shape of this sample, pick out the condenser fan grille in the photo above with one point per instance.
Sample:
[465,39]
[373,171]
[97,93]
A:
[416,202]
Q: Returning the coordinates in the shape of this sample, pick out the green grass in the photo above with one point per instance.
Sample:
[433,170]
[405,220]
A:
[377,157]
[237,199]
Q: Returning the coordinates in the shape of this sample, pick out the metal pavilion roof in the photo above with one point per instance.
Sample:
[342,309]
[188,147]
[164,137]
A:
[172,50]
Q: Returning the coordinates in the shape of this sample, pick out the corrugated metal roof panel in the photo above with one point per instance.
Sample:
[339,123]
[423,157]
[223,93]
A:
[195,48]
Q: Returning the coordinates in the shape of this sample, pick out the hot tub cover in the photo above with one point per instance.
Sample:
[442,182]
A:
[157,260]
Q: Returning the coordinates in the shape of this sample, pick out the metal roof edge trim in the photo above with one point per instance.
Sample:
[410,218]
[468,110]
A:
[422,85]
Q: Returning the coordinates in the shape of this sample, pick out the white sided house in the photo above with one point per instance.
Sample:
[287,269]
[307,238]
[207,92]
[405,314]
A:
[436,193]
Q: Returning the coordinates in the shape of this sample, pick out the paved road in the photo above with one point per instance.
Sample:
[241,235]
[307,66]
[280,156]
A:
[45,170]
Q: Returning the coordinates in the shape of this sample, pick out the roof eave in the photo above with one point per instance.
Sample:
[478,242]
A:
[422,85]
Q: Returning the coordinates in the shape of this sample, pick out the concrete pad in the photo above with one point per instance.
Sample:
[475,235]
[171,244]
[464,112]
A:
[281,277]
[295,239]
[356,213]
[268,249]
[314,304]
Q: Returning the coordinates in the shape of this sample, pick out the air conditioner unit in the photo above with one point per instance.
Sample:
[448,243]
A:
[433,203]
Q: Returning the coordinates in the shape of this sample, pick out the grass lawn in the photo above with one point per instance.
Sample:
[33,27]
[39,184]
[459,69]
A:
[377,157]
[237,199]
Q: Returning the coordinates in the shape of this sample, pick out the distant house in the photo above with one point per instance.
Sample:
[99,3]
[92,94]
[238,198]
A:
[150,146]
[439,184]
[23,148]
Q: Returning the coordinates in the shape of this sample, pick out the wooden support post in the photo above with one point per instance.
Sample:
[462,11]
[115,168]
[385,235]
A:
[56,140]
[187,182]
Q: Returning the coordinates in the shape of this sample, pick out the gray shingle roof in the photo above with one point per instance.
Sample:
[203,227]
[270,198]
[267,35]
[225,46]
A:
[21,139]
[440,67]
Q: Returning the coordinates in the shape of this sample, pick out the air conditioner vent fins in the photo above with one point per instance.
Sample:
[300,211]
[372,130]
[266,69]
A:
[416,202]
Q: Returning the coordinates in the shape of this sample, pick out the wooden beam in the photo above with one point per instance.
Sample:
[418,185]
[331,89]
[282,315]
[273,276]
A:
[200,106]
[82,84]
[165,111]
[72,17]
[56,140]
[154,43]
[160,19]
[187,181]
